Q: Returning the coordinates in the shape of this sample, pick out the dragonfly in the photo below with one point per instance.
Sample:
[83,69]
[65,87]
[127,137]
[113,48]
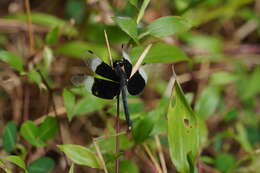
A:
[107,81]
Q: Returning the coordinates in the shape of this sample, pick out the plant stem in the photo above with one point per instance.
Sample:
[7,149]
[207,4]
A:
[117,131]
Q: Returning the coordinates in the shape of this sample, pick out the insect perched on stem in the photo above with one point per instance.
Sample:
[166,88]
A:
[110,81]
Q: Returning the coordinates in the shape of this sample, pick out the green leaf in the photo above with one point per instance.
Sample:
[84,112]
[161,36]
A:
[208,101]
[134,2]
[183,132]
[76,49]
[41,165]
[252,85]
[128,25]
[224,162]
[80,155]
[160,53]
[242,138]
[34,76]
[31,132]
[13,60]
[88,104]
[9,136]
[141,12]
[48,129]
[17,161]
[142,130]
[69,102]
[205,43]
[222,78]
[71,168]
[169,25]
[127,166]
[52,36]
[47,20]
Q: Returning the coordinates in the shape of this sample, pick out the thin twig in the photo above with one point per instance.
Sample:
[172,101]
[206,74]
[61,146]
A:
[55,111]
[100,156]
[160,151]
[140,60]
[108,48]
[117,131]
[30,28]
[149,152]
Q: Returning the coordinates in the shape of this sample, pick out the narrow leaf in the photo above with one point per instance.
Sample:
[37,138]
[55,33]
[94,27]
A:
[169,25]
[80,155]
[13,60]
[141,12]
[9,136]
[128,25]
[69,102]
[71,168]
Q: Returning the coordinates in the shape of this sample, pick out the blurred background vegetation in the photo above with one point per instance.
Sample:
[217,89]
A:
[213,44]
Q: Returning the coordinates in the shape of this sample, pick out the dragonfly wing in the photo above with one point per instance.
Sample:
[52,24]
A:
[100,88]
[137,82]
[78,80]
[97,66]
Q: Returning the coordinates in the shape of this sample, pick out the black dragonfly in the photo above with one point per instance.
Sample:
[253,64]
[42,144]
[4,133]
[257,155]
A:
[108,82]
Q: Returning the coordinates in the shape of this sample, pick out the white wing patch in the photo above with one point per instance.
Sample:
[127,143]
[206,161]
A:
[88,83]
[95,63]
[126,56]
[143,74]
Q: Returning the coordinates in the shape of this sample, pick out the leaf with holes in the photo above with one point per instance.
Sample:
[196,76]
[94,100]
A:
[183,131]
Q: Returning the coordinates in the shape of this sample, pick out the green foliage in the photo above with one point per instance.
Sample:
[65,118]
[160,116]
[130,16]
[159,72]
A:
[142,10]
[128,25]
[87,104]
[142,129]
[37,136]
[13,60]
[41,165]
[30,132]
[17,161]
[80,155]
[159,53]
[169,25]
[127,166]
[183,132]
[47,20]
[48,128]
[52,36]
[9,137]
[208,101]
[224,162]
